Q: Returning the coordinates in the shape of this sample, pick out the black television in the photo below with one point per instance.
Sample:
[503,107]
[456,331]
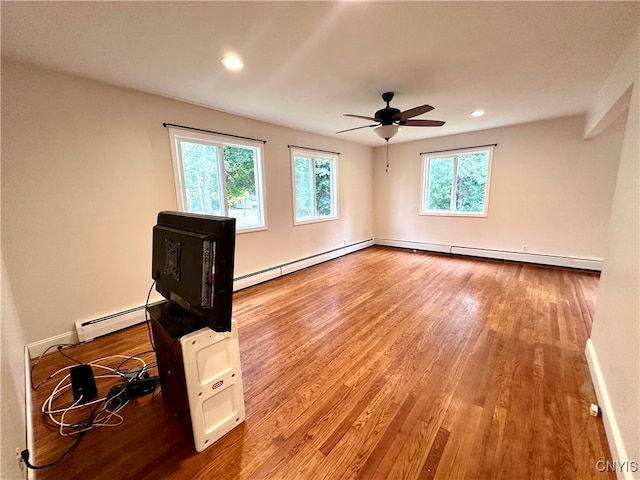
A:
[192,265]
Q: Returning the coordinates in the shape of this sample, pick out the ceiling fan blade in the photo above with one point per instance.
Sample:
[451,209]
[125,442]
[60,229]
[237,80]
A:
[422,123]
[413,112]
[358,128]
[360,116]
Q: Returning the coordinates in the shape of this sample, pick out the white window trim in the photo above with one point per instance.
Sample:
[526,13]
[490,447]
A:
[425,183]
[218,141]
[315,154]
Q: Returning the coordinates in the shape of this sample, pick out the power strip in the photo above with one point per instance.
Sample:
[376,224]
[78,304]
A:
[136,388]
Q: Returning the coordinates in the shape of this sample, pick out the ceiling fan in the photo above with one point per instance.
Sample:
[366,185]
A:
[389,120]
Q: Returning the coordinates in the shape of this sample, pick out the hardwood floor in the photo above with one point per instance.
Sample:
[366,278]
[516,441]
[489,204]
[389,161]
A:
[382,364]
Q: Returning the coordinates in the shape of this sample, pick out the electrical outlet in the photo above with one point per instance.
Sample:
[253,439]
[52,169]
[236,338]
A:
[524,248]
[19,457]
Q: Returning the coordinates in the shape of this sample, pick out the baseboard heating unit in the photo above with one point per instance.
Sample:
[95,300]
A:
[525,257]
[270,273]
[98,327]
[88,330]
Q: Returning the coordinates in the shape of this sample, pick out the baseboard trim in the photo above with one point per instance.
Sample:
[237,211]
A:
[270,273]
[525,257]
[427,247]
[92,329]
[117,321]
[28,399]
[36,349]
[614,438]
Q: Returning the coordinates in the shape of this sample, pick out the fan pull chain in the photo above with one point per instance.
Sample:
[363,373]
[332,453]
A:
[387,169]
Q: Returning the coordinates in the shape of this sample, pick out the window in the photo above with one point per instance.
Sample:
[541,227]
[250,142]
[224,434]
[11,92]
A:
[314,186]
[216,175]
[456,183]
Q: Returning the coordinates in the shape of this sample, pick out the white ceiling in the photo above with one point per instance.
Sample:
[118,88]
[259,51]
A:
[307,63]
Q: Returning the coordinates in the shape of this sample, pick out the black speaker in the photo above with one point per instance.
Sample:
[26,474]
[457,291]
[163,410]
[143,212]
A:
[83,383]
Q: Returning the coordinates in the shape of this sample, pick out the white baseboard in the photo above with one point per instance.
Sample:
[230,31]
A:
[257,277]
[36,349]
[88,330]
[526,257]
[29,474]
[427,247]
[541,259]
[311,261]
[614,438]
[354,247]
[98,327]
[279,270]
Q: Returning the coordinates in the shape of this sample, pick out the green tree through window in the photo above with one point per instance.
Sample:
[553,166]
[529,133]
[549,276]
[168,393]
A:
[240,174]
[304,187]
[201,178]
[471,182]
[324,200]
[440,182]
[314,187]
[456,183]
[219,178]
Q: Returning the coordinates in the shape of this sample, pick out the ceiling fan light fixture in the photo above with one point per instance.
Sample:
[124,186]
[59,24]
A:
[232,62]
[386,131]
[388,120]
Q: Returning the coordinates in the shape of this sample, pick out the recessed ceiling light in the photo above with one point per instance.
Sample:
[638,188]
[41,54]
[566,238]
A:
[477,113]
[232,62]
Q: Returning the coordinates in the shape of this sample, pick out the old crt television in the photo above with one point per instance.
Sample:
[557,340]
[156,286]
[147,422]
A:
[192,266]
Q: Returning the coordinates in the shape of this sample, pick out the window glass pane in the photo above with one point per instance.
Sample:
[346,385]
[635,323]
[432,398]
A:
[215,177]
[440,184]
[324,202]
[242,195]
[314,183]
[304,187]
[457,183]
[471,182]
[201,178]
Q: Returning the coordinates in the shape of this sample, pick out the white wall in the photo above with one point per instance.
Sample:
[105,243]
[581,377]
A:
[550,190]
[614,96]
[614,348]
[87,166]
[12,383]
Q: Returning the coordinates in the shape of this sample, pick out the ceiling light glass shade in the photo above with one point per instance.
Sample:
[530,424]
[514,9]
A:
[386,131]
[232,62]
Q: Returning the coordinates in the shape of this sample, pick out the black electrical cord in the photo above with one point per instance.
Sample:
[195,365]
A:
[146,317]
[24,455]
[59,347]
[88,423]
[140,371]
[69,357]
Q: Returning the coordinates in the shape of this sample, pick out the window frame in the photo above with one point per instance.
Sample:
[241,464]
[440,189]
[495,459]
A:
[177,135]
[455,154]
[315,155]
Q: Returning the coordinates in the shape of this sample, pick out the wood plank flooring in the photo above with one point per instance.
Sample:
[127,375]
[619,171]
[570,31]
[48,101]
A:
[382,364]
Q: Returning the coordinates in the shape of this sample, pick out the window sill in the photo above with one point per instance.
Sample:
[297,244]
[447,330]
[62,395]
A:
[313,220]
[250,230]
[454,214]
